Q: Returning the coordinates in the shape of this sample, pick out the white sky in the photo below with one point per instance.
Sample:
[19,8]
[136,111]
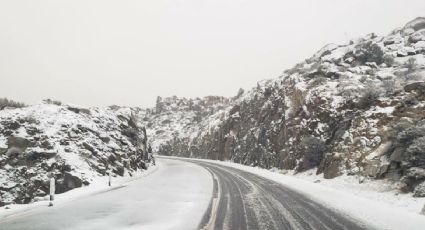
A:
[126,52]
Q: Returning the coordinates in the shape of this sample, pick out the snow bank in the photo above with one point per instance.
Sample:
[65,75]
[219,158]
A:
[98,185]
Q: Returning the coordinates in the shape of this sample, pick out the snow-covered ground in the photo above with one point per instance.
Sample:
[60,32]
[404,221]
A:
[175,195]
[373,202]
[98,185]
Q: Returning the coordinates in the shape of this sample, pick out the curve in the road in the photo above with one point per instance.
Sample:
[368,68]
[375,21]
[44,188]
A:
[244,200]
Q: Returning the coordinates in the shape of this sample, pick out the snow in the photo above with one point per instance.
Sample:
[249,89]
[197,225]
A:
[382,110]
[178,117]
[173,195]
[375,203]
[419,45]
[99,184]
[336,54]
[65,131]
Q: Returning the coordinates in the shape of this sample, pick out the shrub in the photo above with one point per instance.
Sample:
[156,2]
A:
[52,102]
[417,146]
[30,119]
[4,103]
[410,138]
[318,81]
[411,65]
[388,60]
[369,52]
[369,97]
[389,86]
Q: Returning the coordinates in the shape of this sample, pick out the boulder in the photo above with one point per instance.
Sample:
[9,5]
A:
[419,46]
[416,173]
[417,36]
[7,186]
[17,145]
[375,168]
[406,51]
[417,87]
[414,25]
[392,40]
[46,144]
[79,110]
[119,170]
[67,183]
[105,139]
[12,125]
[397,155]
[37,155]
[90,148]
[32,130]
[331,167]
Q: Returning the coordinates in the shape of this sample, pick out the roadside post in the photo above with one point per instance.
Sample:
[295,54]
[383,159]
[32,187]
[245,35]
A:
[109,178]
[52,191]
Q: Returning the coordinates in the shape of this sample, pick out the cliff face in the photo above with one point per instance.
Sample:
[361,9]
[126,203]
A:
[175,117]
[74,145]
[356,109]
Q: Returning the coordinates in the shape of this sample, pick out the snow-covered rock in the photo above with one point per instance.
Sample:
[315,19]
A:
[414,25]
[353,109]
[179,117]
[73,144]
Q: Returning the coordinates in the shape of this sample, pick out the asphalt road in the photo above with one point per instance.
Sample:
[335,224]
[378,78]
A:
[178,196]
[243,200]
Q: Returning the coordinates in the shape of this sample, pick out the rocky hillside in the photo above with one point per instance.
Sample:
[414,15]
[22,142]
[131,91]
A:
[73,144]
[356,109]
[175,117]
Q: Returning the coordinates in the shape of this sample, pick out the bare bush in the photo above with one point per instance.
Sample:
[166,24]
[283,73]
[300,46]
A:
[52,102]
[388,60]
[389,86]
[369,98]
[411,65]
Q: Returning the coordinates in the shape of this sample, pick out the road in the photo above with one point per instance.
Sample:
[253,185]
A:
[188,194]
[175,196]
[243,200]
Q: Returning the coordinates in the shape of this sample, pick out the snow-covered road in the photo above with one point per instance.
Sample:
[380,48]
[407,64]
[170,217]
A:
[201,194]
[243,200]
[176,196]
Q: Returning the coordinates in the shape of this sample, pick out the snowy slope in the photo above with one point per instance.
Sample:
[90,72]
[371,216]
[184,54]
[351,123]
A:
[179,117]
[355,109]
[74,144]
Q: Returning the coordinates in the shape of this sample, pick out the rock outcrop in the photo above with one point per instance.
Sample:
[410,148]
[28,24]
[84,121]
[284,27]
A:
[175,117]
[355,109]
[75,145]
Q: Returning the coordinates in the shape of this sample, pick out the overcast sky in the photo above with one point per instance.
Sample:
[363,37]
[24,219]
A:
[127,52]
